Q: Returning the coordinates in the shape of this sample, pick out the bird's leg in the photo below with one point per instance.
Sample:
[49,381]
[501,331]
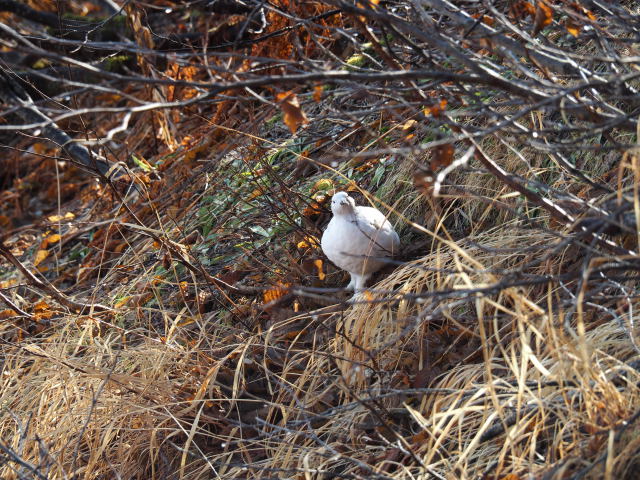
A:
[352,284]
[360,281]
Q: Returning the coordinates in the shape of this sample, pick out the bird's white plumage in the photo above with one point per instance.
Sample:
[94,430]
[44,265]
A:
[358,239]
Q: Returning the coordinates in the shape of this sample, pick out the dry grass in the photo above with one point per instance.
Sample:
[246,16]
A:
[517,384]
[474,359]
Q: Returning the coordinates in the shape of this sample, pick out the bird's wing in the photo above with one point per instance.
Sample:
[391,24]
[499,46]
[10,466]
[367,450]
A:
[377,228]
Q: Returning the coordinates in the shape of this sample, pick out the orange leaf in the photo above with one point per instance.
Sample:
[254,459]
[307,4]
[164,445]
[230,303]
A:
[41,255]
[58,218]
[318,264]
[293,114]
[573,28]
[7,313]
[8,283]
[308,242]
[256,193]
[275,293]
[442,156]
[50,240]
[522,9]
[122,302]
[544,17]
[486,19]
[317,93]
[42,310]
[5,222]
[436,109]
[409,125]
[580,9]
[40,148]
[314,208]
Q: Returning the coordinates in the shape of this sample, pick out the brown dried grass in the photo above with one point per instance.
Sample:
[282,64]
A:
[408,383]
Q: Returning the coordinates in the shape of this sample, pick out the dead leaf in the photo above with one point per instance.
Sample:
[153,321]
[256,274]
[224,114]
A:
[317,93]
[572,27]
[40,148]
[544,17]
[42,311]
[522,9]
[322,184]
[8,283]
[293,114]
[50,240]
[273,294]
[584,11]
[318,264]
[7,313]
[308,242]
[58,218]
[436,110]
[40,257]
[409,125]
[314,208]
[5,222]
[442,156]
[367,4]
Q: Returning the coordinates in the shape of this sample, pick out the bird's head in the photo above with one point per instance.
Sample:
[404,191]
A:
[342,204]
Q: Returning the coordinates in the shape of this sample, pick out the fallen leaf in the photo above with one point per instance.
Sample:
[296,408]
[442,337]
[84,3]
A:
[486,19]
[544,17]
[50,240]
[409,125]
[293,114]
[42,310]
[308,242]
[322,184]
[318,264]
[8,283]
[7,313]
[573,28]
[586,12]
[436,110]
[522,9]
[58,218]
[441,156]
[5,222]
[314,208]
[40,148]
[273,294]
[41,256]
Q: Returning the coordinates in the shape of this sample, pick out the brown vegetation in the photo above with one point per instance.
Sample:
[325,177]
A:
[165,311]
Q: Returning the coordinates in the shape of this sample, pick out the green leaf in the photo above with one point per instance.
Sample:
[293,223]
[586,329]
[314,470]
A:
[260,231]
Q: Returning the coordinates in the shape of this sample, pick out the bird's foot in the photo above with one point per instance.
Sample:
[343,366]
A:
[352,285]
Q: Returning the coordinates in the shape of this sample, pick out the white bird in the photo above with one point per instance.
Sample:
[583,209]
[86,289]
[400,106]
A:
[358,239]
